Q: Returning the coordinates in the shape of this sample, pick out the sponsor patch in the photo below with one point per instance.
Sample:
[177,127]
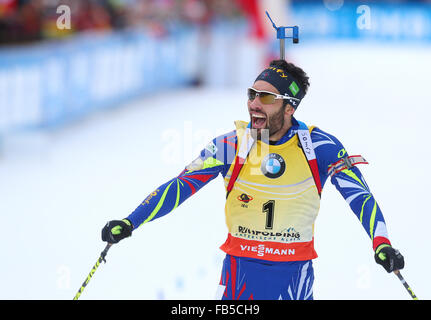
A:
[212,148]
[245,198]
[273,166]
[294,88]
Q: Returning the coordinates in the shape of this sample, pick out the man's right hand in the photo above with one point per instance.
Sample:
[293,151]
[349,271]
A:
[116,230]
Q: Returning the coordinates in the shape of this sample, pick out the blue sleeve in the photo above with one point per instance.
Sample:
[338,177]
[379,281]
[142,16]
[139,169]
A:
[351,184]
[214,159]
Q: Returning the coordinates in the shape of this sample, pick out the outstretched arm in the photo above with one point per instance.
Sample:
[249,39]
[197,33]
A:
[349,181]
[351,185]
[214,159]
[170,195]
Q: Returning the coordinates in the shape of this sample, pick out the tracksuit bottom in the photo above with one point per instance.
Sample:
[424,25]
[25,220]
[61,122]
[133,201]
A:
[254,279]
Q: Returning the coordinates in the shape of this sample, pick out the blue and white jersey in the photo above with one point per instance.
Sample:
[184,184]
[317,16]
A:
[217,157]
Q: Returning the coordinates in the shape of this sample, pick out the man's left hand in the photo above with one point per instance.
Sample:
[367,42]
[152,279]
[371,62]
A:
[389,258]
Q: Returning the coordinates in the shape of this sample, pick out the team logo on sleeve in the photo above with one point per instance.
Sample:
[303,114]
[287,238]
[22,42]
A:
[212,148]
[273,166]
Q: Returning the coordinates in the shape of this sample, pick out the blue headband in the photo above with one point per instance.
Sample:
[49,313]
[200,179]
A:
[284,83]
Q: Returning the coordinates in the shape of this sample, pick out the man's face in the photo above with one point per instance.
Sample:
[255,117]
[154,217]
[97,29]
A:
[266,116]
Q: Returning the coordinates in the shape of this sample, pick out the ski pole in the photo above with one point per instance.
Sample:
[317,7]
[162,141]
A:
[93,270]
[405,284]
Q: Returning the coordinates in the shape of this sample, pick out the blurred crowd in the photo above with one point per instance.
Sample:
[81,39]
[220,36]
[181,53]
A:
[22,21]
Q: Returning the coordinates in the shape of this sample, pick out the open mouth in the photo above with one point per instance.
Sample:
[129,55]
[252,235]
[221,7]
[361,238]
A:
[258,121]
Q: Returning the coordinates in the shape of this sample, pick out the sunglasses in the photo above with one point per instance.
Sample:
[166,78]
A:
[267,97]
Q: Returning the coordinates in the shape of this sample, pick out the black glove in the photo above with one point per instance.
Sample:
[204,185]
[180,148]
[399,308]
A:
[391,259]
[116,230]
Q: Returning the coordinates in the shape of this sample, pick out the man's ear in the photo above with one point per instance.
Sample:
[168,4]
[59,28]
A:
[289,110]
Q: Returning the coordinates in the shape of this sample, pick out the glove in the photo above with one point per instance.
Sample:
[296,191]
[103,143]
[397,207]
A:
[391,259]
[116,230]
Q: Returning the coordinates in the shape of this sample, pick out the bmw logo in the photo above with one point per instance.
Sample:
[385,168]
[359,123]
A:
[273,166]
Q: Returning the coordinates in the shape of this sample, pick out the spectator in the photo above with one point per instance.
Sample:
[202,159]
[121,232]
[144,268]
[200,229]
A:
[25,20]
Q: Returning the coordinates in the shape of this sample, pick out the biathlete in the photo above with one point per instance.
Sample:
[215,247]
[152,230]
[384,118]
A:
[274,168]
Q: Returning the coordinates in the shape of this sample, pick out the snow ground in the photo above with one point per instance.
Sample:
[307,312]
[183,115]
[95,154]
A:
[58,188]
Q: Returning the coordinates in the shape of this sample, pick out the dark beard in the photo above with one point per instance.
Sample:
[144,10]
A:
[274,124]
